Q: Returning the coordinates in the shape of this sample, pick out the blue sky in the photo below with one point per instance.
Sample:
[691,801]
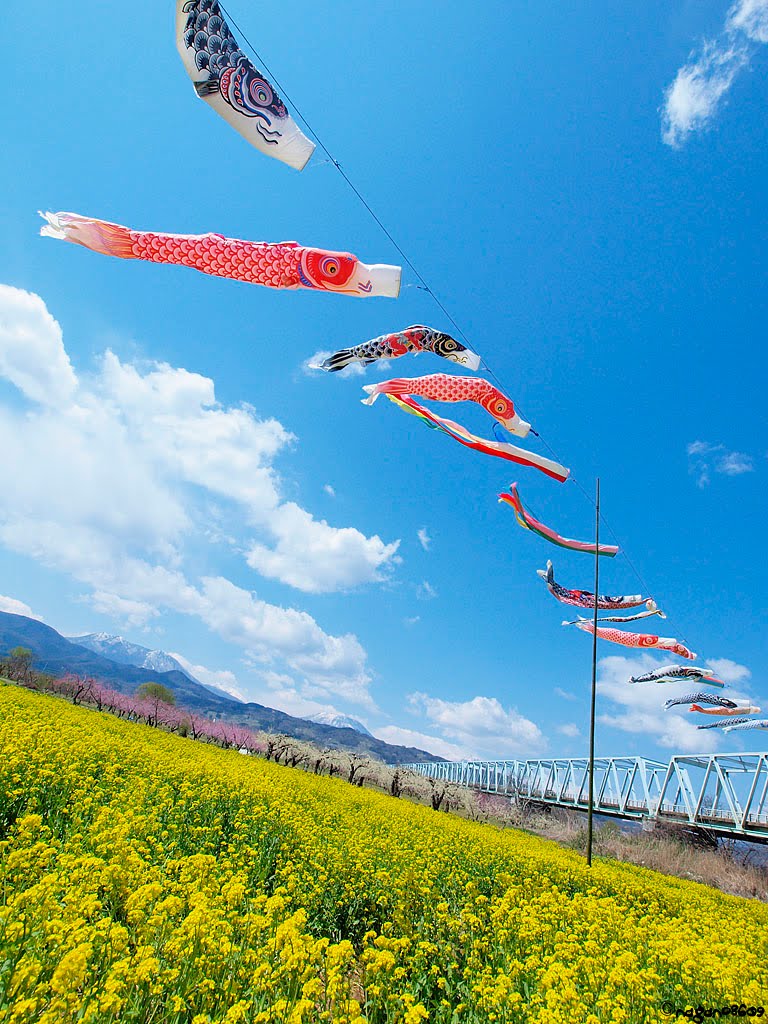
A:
[584,190]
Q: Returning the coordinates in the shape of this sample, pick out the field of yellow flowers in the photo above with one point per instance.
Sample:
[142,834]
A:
[150,878]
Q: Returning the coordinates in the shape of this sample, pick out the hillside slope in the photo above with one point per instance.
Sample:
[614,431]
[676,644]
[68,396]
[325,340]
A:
[163,879]
[57,655]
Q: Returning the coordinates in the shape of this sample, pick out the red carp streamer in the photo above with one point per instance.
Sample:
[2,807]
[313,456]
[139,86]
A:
[479,444]
[528,522]
[645,640]
[445,387]
[272,264]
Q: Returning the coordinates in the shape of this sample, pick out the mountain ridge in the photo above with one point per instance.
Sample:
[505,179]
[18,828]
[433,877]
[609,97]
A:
[57,655]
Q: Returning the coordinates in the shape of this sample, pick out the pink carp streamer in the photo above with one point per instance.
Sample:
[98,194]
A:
[272,264]
[748,709]
[498,449]
[585,599]
[528,522]
[644,640]
[445,387]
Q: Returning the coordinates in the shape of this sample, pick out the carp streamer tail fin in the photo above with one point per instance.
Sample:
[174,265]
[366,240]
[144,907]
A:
[339,360]
[99,235]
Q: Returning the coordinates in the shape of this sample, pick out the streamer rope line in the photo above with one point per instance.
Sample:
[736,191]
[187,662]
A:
[425,285]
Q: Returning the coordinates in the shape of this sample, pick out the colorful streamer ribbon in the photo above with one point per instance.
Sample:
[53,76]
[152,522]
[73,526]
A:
[479,444]
[528,522]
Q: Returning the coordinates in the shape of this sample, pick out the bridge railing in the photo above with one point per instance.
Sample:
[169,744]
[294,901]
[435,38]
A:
[724,792]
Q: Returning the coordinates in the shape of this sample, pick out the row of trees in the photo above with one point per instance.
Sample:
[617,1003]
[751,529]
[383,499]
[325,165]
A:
[155,705]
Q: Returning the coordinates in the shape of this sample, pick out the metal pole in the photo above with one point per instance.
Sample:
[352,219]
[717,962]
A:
[594,678]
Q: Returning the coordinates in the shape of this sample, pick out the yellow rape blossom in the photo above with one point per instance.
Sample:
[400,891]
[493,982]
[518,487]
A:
[148,878]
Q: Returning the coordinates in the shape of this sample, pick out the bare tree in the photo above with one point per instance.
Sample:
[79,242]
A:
[359,764]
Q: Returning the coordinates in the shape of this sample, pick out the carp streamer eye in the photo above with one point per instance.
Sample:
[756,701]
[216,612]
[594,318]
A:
[330,267]
[261,92]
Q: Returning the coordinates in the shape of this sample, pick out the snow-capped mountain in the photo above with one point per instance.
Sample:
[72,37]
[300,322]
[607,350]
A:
[338,721]
[116,648]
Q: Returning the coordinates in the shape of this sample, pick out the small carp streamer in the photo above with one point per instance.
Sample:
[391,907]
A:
[411,340]
[479,444]
[584,599]
[444,387]
[528,522]
[272,264]
[626,618]
[224,77]
[645,640]
[747,709]
[705,698]
[730,722]
[761,723]
[671,673]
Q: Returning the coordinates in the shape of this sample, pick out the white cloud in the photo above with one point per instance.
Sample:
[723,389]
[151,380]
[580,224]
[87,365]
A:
[481,725]
[425,591]
[317,558]
[705,458]
[312,365]
[329,490]
[729,671]
[327,665]
[32,355]
[131,613]
[424,539]
[14,607]
[569,729]
[734,464]
[131,452]
[642,705]
[694,97]
[412,620]
[114,476]
[751,18]
[282,693]
[422,741]
[565,694]
[223,679]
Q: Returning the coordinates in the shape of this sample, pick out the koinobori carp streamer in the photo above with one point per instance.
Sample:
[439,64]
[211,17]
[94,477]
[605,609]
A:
[445,387]
[704,698]
[731,723]
[747,709]
[479,444]
[528,522]
[671,673]
[229,83]
[272,264]
[585,599]
[626,618]
[761,723]
[644,640]
[409,341]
